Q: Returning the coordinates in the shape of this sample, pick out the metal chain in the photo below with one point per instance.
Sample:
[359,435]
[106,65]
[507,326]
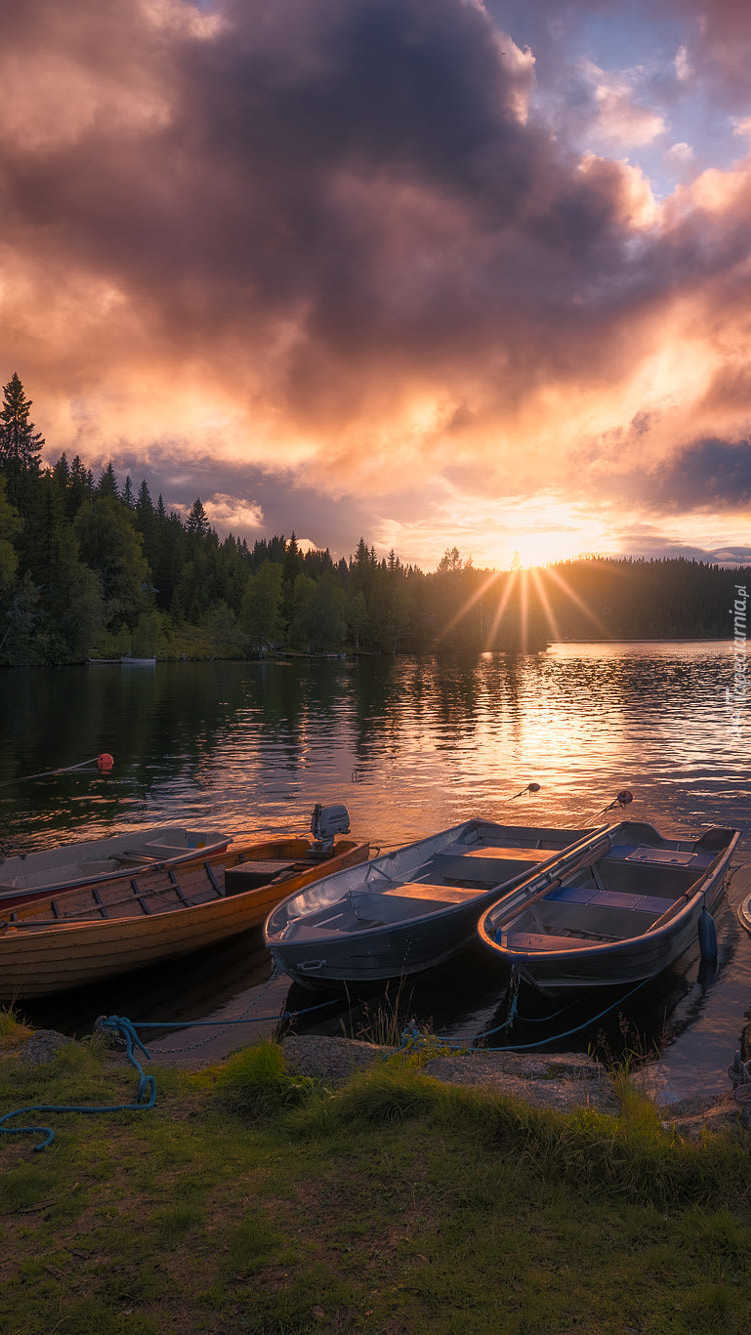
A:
[276,972]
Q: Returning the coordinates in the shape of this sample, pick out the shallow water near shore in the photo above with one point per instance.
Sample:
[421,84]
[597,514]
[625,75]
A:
[410,746]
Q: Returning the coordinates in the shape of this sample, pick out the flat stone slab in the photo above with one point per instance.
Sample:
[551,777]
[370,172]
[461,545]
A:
[656,1083]
[539,1066]
[727,1115]
[564,1086]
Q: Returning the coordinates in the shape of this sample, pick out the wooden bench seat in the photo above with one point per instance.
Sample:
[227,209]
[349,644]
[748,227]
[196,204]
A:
[448,894]
[489,865]
[251,875]
[514,854]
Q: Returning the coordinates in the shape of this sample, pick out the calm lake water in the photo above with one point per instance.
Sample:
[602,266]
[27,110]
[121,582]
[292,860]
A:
[410,746]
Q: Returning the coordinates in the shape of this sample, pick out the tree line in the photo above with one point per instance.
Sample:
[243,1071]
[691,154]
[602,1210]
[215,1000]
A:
[95,567]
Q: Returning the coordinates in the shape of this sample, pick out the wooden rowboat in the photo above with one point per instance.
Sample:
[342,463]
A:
[630,906]
[101,930]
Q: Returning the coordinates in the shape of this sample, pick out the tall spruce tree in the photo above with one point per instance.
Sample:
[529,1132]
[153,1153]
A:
[198,523]
[107,484]
[19,442]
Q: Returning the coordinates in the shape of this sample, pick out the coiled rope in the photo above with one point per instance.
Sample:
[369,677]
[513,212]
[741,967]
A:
[145,1094]
[126,1031]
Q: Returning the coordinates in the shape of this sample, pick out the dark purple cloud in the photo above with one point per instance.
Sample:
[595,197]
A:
[286,503]
[718,46]
[360,169]
[713,475]
[656,546]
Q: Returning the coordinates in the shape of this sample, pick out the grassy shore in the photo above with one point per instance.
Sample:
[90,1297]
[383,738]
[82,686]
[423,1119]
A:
[252,1201]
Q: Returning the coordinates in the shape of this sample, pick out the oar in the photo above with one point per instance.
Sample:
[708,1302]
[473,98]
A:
[589,855]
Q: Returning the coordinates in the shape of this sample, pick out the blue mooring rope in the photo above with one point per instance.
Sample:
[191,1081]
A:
[120,1026]
[412,1037]
[145,1095]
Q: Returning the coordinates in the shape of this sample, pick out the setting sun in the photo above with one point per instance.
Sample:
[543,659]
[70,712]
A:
[537,533]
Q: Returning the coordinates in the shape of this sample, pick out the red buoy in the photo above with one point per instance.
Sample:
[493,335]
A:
[105,762]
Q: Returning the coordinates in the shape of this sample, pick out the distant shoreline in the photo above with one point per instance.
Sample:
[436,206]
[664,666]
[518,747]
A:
[651,639]
[286,657]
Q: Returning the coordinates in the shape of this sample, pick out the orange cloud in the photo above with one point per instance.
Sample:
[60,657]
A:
[336,242]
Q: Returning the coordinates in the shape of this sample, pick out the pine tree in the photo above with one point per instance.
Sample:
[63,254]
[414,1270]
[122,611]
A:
[198,522]
[144,504]
[79,489]
[291,569]
[107,485]
[61,472]
[19,442]
[10,527]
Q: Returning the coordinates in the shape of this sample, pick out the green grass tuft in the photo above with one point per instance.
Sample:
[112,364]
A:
[250,1243]
[12,1028]
[255,1083]
[709,1309]
[386,1093]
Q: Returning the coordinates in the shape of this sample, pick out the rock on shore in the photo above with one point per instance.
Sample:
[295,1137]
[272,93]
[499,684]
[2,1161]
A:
[562,1081]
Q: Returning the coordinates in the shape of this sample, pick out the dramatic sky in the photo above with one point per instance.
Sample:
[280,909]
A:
[434,271]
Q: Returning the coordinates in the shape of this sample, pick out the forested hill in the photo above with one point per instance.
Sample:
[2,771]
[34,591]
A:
[94,567]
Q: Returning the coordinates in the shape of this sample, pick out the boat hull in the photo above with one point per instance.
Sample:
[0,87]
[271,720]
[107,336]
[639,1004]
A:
[40,961]
[558,974]
[385,954]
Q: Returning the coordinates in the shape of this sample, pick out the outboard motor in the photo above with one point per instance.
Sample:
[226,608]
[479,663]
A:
[326,823]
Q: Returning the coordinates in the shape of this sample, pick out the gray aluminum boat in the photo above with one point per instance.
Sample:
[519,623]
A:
[628,907]
[406,911]
[26,875]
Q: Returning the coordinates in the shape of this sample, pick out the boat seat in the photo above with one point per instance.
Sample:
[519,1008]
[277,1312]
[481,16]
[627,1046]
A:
[251,875]
[531,941]
[514,854]
[445,894]
[659,857]
[655,905]
[489,865]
